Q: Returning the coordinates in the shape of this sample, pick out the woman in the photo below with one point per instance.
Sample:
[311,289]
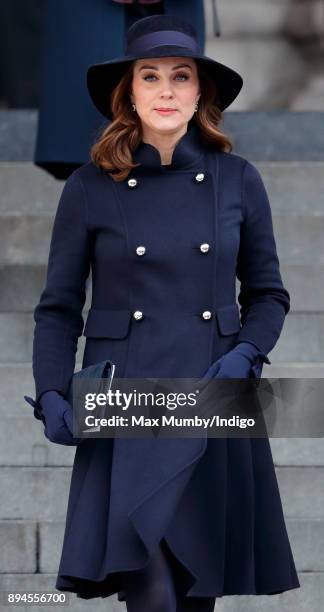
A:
[165,216]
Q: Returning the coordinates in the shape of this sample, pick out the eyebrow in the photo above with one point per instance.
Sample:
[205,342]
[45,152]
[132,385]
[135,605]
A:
[174,67]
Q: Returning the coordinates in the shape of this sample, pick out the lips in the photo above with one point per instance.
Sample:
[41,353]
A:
[165,111]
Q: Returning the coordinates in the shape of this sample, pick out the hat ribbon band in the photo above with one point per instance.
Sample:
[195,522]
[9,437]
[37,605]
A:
[164,37]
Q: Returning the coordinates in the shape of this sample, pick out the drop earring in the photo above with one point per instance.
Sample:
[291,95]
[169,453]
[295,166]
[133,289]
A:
[196,107]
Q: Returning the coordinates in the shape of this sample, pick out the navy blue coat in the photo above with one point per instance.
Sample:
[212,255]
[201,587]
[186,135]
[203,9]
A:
[214,501]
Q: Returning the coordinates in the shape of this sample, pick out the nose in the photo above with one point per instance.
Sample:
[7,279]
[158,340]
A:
[166,88]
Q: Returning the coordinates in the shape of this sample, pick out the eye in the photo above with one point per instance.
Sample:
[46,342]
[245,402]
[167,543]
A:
[183,74]
[179,74]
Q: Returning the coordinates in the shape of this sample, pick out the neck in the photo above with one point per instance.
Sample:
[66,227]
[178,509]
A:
[164,143]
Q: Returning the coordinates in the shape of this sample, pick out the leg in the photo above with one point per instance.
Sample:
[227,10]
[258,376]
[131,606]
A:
[152,588]
[185,604]
[195,604]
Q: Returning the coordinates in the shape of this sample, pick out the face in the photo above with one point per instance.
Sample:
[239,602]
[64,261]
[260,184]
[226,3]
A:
[166,82]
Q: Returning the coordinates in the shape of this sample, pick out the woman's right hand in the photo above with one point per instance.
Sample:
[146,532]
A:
[58,417]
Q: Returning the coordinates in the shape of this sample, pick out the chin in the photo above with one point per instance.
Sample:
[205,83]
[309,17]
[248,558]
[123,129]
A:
[168,123]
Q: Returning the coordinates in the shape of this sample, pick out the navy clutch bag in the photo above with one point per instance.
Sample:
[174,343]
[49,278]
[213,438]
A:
[104,370]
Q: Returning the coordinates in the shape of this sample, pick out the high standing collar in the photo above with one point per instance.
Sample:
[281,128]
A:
[186,154]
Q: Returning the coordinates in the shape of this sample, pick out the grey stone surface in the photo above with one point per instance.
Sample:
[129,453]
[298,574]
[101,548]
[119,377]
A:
[26,282]
[34,493]
[297,451]
[41,493]
[50,545]
[294,187]
[276,135]
[302,491]
[309,597]
[23,443]
[301,339]
[261,135]
[18,547]
[306,539]
[25,240]
[16,337]
[21,287]
[305,286]
[27,189]
[270,18]
[45,583]
[305,536]
[311,95]
[17,134]
[267,82]
[309,246]
[293,370]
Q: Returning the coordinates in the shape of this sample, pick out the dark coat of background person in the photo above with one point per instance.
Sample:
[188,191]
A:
[215,502]
[75,35]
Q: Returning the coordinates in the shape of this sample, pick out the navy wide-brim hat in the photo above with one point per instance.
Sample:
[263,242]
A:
[159,36]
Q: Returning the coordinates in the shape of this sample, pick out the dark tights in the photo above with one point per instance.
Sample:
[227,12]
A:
[154,589]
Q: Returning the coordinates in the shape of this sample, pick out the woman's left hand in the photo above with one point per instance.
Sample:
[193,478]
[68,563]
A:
[242,361]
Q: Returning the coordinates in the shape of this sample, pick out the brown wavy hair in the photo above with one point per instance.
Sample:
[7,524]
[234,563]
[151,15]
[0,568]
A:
[112,151]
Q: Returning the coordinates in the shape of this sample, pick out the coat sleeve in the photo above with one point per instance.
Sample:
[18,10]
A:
[264,301]
[58,317]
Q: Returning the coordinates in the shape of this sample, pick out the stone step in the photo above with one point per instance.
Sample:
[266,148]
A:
[301,340]
[301,490]
[18,544]
[26,240]
[23,444]
[22,440]
[305,599]
[268,82]
[270,18]
[28,190]
[260,135]
[309,597]
[28,281]
[29,546]
[294,188]
[44,584]
[16,379]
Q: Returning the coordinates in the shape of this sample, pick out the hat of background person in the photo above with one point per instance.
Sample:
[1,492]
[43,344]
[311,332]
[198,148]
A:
[153,37]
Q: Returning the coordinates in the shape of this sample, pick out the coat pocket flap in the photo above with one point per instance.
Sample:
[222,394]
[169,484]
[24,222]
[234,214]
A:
[103,323]
[228,318]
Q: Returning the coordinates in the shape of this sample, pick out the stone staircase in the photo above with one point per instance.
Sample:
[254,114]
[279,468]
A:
[35,475]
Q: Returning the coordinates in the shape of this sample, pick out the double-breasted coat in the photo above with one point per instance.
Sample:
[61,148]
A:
[215,501]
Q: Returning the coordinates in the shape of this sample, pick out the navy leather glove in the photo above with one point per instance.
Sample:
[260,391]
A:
[58,416]
[243,361]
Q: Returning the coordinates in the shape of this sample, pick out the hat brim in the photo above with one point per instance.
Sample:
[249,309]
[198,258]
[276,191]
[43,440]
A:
[102,78]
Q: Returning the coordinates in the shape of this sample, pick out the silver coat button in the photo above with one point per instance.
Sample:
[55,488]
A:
[132,182]
[137,315]
[199,177]
[204,247]
[206,314]
[140,250]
